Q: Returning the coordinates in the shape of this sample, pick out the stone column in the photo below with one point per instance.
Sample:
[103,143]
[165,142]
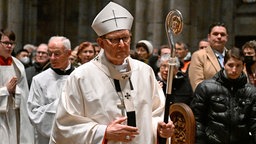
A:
[228,18]
[15,20]
[158,22]
[140,24]
[30,21]
[3,14]
[61,24]
[200,19]
[82,21]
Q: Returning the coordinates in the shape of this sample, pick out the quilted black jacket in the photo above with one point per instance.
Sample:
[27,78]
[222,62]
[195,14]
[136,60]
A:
[225,111]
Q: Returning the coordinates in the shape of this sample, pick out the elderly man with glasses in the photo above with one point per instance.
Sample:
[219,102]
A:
[42,62]
[46,88]
[113,98]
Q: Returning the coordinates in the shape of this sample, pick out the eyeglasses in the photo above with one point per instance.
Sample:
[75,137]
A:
[117,40]
[164,66]
[41,52]
[7,43]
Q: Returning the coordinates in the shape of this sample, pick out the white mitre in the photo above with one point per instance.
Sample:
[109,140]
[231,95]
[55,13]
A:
[111,18]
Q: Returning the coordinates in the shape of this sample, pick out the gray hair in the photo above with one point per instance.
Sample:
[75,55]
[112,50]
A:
[28,46]
[65,41]
[166,57]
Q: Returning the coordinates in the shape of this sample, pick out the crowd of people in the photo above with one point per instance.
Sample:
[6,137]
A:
[102,92]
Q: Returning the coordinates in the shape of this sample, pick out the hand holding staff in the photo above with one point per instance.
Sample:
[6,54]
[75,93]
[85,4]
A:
[173,26]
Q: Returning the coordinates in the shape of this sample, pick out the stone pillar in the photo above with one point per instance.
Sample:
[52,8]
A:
[3,14]
[61,15]
[158,21]
[227,18]
[199,23]
[30,22]
[82,21]
[140,23]
[15,20]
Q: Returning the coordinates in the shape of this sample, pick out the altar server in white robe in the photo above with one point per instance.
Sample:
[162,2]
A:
[15,127]
[47,86]
[112,99]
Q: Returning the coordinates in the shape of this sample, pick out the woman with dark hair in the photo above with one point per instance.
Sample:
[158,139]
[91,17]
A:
[225,105]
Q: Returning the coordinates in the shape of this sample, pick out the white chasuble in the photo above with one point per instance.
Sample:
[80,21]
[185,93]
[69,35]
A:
[89,102]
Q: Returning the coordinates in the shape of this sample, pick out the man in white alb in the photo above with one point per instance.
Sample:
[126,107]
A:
[46,88]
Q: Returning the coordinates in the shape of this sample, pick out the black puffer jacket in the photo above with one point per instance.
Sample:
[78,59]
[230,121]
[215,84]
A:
[225,111]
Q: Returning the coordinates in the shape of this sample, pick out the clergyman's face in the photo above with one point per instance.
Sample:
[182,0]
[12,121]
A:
[58,55]
[116,46]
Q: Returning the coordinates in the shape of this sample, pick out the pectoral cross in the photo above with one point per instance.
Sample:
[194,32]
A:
[122,107]
[127,95]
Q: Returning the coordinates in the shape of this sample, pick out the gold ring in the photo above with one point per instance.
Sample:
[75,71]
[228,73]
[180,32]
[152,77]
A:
[127,137]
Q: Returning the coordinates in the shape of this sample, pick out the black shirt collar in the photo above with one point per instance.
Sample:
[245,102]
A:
[65,72]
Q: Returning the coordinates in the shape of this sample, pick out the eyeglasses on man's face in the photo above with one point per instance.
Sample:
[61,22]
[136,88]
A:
[41,52]
[164,66]
[117,40]
[8,43]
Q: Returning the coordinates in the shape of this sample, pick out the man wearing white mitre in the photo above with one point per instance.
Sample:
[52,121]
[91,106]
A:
[112,99]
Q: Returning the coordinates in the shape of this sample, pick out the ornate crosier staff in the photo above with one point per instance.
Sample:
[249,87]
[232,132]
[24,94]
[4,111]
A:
[173,26]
